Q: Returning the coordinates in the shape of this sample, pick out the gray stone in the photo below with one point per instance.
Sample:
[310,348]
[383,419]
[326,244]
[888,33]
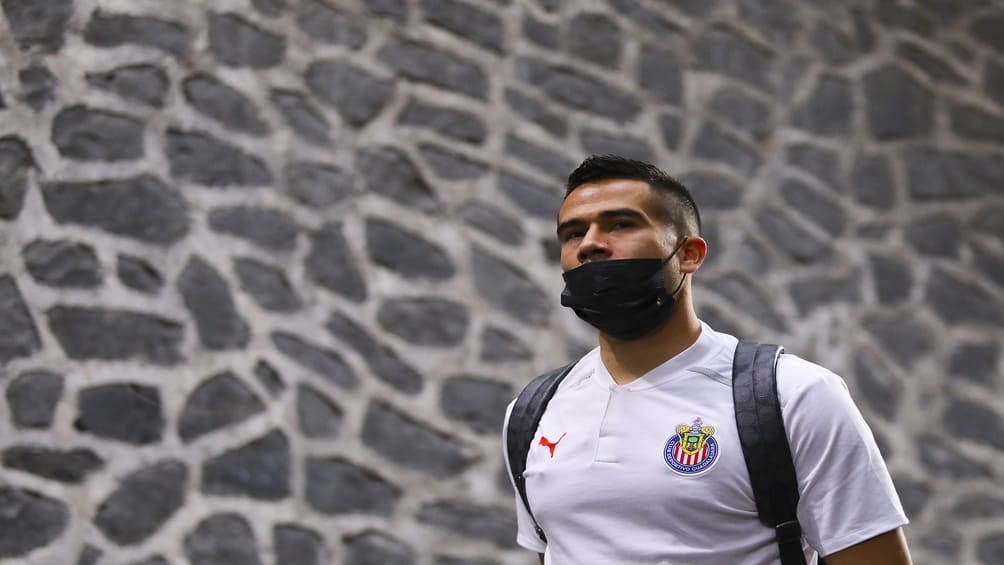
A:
[223,103]
[600,142]
[777,20]
[660,72]
[331,265]
[549,161]
[32,398]
[222,538]
[237,42]
[143,502]
[651,20]
[901,16]
[113,30]
[480,26]
[337,486]
[154,560]
[715,144]
[536,200]
[989,263]
[892,276]
[976,362]
[450,165]
[752,256]
[937,235]
[396,10]
[38,26]
[38,86]
[993,81]
[671,130]
[451,122]
[821,209]
[958,301]
[713,191]
[980,507]
[405,252]
[903,336]
[821,163]
[537,112]
[723,50]
[898,105]
[356,94]
[411,444]
[267,285]
[933,174]
[451,560]
[825,291]
[596,38]
[880,388]
[207,297]
[62,263]
[425,321]
[66,466]
[463,518]
[269,378]
[140,207]
[137,274]
[574,88]
[261,226]
[380,359]
[509,289]
[972,123]
[376,548]
[89,555]
[968,420]
[932,65]
[15,163]
[125,412]
[327,25]
[389,172]
[221,400]
[551,249]
[913,494]
[834,45]
[89,134]
[540,32]
[28,520]
[478,403]
[317,416]
[424,63]
[96,333]
[829,109]
[793,240]
[317,185]
[500,345]
[872,182]
[296,545]
[944,543]
[302,116]
[990,548]
[143,83]
[990,31]
[492,221]
[270,7]
[941,457]
[258,469]
[203,159]
[748,298]
[322,361]
[741,110]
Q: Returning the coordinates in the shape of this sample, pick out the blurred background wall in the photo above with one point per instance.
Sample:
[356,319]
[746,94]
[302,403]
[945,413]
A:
[272,269]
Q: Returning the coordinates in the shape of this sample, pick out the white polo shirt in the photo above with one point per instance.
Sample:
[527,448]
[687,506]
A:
[653,472]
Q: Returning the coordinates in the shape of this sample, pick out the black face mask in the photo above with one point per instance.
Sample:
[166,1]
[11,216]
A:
[623,298]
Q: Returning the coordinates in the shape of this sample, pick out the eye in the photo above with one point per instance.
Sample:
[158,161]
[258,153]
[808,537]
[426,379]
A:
[623,224]
[572,235]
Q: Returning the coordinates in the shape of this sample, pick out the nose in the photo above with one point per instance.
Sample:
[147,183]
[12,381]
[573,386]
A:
[593,247]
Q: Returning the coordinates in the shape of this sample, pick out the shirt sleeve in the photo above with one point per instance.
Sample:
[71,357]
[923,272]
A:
[846,493]
[526,535]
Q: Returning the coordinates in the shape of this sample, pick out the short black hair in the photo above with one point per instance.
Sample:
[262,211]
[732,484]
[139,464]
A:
[678,210]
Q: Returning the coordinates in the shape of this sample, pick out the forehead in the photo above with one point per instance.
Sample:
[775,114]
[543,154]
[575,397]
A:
[596,197]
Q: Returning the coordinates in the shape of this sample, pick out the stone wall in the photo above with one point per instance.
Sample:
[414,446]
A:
[272,269]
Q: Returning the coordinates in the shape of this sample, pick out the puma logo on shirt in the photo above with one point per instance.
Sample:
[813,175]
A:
[549,445]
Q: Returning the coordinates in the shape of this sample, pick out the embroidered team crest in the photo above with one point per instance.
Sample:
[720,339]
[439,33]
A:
[693,449]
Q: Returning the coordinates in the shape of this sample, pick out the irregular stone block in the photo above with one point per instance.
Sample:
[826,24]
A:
[356,94]
[69,466]
[774,19]
[38,86]
[748,298]
[325,24]
[380,359]
[389,172]
[970,122]
[396,10]
[425,321]
[32,398]
[143,502]
[405,252]
[988,30]
[914,495]
[974,421]
[932,65]
[817,291]
[976,362]
[936,235]
[822,209]
[222,538]
[893,278]
[270,7]
[450,165]
[723,50]
[318,417]
[411,444]
[993,81]
[950,175]
[261,226]
[336,486]
[29,520]
[660,73]
[903,336]
[200,158]
[652,20]
[540,32]
[331,265]
[37,25]
[146,84]
[94,333]
[372,547]
[472,521]
[945,460]
[258,469]
[125,412]
[897,104]
[873,183]
[509,289]
[237,42]
[85,133]
[596,38]
[295,545]
[536,112]
[424,63]
[223,103]
[221,400]
[113,30]
[833,45]
[715,144]
[671,130]
[62,263]
[550,161]
[89,555]
[15,163]
[269,378]
[318,185]
[476,402]
[990,547]
[324,362]
[821,163]
[828,110]
[794,240]
[207,298]
[578,90]
[534,199]
[466,20]
[451,122]
[880,388]
[741,110]
[958,301]
[154,560]
[979,506]
[713,191]
[898,16]
[267,285]
[303,117]
[492,221]
[141,207]
[137,274]
[500,345]
[600,142]
[451,560]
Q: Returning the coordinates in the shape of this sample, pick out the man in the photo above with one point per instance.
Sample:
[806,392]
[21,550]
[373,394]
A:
[636,458]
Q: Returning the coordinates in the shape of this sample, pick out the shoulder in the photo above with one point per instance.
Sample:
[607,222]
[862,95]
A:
[798,379]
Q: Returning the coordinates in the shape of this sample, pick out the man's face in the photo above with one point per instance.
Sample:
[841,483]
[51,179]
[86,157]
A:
[610,219]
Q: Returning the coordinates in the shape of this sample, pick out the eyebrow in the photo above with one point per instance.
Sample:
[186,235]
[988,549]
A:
[606,215]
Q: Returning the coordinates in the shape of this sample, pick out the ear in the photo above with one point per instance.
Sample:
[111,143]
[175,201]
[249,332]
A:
[692,254]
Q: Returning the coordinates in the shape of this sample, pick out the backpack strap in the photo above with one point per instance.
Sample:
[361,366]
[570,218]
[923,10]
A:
[765,447]
[523,420]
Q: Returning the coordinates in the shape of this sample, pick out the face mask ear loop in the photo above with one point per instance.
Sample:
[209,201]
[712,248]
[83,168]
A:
[684,277]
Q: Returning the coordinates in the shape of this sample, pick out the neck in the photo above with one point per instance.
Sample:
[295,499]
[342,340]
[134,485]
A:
[628,361]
